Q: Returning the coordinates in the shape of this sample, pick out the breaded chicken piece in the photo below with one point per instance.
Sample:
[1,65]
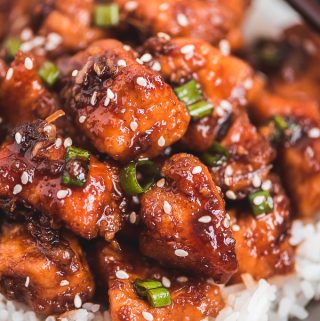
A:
[31,168]
[262,243]
[225,81]
[192,299]
[43,268]
[124,108]
[299,149]
[185,222]
[220,19]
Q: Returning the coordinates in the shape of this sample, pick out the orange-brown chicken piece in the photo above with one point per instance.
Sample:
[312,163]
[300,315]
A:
[23,96]
[43,268]
[262,243]
[220,19]
[192,299]
[31,169]
[185,223]
[225,81]
[124,108]
[300,148]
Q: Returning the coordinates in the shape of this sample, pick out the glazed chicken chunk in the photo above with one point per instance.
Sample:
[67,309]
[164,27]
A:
[192,299]
[220,19]
[34,165]
[185,222]
[123,107]
[43,268]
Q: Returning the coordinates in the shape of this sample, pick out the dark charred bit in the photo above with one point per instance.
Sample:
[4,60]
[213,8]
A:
[158,46]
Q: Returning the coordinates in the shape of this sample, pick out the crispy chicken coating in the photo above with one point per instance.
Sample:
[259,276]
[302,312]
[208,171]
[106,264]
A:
[43,268]
[125,108]
[185,223]
[192,299]
[262,243]
[31,169]
[220,19]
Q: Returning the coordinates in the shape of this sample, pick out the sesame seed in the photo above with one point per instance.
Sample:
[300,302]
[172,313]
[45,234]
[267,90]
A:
[26,284]
[231,195]
[163,35]
[17,189]
[187,49]
[156,66]
[182,20]
[258,200]
[24,178]
[133,217]
[122,275]
[58,142]
[9,74]
[161,141]
[142,81]
[161,182]
[77,301]
[67,142]
[205,219]
[256,181]
[197,170]
[110,94]
[139,61]
[229,170]
[26,34]
[314,133]
[126,47]
[133,125]
[226,223]
[266,185]
[93,99]
[235,227]
[64,283]
[131,5]
[122,63]
[82,119]
[148,316]
[28,63]
[181,253]
[74,73]
[146,57]
[18,138]
[166,282]
[106,102]
[248,83]
[224,47]
[62,193]
[235,138]
[182,279]
[167,207]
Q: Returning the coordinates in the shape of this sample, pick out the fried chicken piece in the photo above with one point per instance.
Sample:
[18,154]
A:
[299,151]
[192,299]
[129,110]
[43,268]
[23,96]
[31,169]
[262,243]
[185,223]
[225,81]
[220,19]
[249,160]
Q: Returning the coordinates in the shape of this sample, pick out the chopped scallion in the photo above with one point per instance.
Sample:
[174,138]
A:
[281,123]
[106,15]
[189,92]
[159,297]
[261,202]
[49,73]
[12,46]
[76,166]
[215,156]
[129,176]
[200,109]
[142,286]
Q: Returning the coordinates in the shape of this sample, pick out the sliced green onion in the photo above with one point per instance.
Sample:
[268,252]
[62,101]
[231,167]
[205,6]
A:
[200,109]
[76,167]
[129,176]
[215,156]
[159,297]
[106,15]
[189,92]
[261,202]
[12,46]
[281,123]
[49,73]
[142,286]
